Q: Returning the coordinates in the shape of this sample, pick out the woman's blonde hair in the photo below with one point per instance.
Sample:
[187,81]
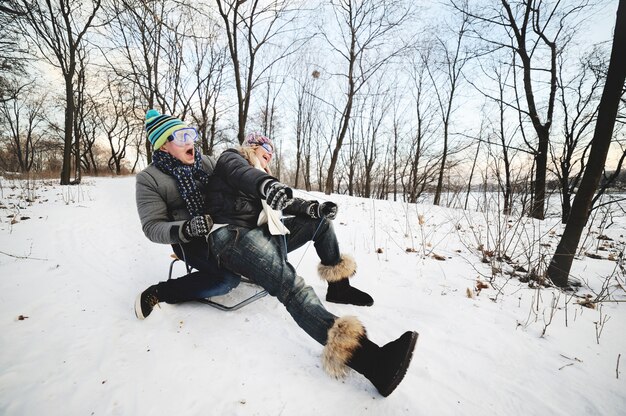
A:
[249,153]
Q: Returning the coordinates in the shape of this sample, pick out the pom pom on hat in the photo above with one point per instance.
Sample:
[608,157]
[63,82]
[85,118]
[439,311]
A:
[160,126]
[257,139]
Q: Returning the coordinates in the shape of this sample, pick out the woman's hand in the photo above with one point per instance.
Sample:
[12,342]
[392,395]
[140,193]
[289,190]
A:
[327,209]
[278,195]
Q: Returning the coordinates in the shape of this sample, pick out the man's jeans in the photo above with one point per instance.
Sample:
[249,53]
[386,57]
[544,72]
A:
[209,279]
[262,257]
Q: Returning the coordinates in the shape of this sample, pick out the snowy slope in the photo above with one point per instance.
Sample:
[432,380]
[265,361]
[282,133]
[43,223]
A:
[71,271]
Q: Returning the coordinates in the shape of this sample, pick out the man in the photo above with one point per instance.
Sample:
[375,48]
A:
[170,202]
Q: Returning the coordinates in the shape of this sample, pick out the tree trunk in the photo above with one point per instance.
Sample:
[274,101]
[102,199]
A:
[442,168]
[541,162]
[69,136]
[328,189]
[471,176]
[561,263]
[566,205]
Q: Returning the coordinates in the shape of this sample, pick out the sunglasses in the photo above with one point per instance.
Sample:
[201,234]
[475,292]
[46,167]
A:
[183,137]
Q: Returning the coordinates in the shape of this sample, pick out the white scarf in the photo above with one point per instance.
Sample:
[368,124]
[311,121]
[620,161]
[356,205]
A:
[269,215]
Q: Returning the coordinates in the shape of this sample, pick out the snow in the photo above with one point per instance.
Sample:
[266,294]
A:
[71,344]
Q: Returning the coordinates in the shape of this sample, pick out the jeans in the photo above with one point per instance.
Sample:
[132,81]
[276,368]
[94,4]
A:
[209,279]
[304,229]
[262,258]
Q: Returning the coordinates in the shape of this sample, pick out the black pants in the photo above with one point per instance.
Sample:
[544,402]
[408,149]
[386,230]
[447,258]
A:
[208,279]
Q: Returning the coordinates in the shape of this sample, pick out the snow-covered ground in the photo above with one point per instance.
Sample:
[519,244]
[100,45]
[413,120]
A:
[73,259]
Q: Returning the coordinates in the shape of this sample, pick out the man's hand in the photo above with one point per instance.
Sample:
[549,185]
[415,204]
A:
[199,226]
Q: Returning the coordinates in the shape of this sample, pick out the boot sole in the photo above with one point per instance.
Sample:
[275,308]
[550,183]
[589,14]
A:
[397,378]
[138,312]
[331,300]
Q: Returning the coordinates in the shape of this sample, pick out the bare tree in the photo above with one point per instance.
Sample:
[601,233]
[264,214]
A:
[536,31]
[351,158]
[398,133]
[376,105]
[560,266]
[116,121]
[501,75]
[209,62]
[473,169]
[368,37]
[307,88]
[58,29]
[89,128]
[419,166]
[80,102]
[453,59]
[12,50]
[578,99]
[171,52]
[269,117]
[20,119]
[252,27]
[323,149]
[140,26]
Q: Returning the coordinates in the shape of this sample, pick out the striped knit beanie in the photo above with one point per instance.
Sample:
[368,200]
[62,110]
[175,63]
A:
[160,126]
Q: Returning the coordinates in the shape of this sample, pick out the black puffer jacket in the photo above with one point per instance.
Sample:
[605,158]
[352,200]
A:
[234,193]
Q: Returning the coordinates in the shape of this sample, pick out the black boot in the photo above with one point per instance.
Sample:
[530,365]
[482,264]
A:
[342,292]
[146,301]
[384,366]
[339,289]
[348,345]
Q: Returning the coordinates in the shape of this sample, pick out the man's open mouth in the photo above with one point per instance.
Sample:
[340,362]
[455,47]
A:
[189,151]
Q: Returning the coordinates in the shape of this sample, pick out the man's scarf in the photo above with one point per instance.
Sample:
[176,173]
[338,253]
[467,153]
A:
[185,176]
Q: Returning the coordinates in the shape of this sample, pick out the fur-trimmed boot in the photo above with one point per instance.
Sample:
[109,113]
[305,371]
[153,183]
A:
[348,346]
[339,289]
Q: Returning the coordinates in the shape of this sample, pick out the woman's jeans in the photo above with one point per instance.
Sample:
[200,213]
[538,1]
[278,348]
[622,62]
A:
[209,279]
[262,257]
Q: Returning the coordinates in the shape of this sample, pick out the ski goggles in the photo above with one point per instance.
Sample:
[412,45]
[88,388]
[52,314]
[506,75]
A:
[268,147]
[183,137]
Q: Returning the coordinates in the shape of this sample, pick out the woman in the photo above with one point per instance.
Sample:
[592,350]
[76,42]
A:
[241,196]
[309,218]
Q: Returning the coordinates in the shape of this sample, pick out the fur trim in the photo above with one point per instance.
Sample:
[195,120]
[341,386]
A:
[344,269]
[344,337]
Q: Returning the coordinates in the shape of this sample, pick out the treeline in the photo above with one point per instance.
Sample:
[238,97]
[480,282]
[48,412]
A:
[374,98]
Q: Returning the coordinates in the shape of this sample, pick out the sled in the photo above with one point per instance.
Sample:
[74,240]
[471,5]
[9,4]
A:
[253,291]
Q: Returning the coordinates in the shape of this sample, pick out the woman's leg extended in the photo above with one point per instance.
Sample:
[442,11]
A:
[321,231]
[259,256]
[335,268]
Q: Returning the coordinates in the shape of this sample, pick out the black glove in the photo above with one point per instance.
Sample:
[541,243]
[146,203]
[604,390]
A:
[197,226]
[326,209]
[278,195]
